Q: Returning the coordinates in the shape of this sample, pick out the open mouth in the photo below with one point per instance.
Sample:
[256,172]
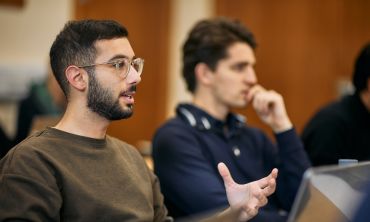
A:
[128,96]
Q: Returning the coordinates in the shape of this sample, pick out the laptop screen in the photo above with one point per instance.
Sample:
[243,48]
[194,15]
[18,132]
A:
[330,193]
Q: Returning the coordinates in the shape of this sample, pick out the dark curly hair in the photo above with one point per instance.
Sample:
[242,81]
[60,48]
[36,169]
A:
[74,45]
[208,42]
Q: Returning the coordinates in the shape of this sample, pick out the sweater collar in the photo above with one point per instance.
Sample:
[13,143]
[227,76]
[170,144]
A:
[201,120]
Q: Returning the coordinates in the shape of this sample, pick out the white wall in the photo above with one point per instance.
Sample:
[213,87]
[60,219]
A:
[27,33]
[185,13]
[26,36]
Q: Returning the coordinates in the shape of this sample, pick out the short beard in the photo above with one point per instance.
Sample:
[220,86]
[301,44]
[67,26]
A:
[101,101]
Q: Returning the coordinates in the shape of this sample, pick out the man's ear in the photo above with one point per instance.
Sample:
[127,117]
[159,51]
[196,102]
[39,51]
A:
[76,77]
[203,73]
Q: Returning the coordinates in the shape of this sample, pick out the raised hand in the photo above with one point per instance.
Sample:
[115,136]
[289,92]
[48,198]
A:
[251,196]
[269,106]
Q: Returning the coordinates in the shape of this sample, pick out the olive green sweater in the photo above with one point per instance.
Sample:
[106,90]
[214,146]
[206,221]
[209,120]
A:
[58,176]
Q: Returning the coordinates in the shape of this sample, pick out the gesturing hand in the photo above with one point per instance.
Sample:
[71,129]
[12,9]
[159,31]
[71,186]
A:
[251,196]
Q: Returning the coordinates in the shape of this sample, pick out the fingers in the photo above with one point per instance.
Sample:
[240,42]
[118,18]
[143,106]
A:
[270,108]
[225,174]
[270,189]
[274,173]
[253,91]
[262,200]
[268,184]
[265,101]
[249,212]
[259,191]
[264,182]
[258,200]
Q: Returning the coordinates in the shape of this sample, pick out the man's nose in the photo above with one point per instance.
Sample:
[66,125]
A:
[133,77]
[251,76]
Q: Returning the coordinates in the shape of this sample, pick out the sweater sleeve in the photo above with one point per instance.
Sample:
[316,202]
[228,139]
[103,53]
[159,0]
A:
[292,161]
[160,210]
[28,190]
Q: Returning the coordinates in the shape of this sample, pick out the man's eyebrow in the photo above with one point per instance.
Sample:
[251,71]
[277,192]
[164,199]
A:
[242,63]
[120,56]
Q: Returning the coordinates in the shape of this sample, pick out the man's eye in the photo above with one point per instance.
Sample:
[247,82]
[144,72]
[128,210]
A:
[239,67]
[119,64]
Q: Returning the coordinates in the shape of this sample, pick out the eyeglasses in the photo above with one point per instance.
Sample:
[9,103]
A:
[122,65]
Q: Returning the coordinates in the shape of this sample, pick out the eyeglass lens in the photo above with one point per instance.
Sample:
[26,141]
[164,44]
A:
[138,65]
[123,66]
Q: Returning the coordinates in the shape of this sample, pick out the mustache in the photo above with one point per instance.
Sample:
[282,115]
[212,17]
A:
[132,89]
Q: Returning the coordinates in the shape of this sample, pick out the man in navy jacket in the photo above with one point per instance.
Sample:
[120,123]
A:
[218,67]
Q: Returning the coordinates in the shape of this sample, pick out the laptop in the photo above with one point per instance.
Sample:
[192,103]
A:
[330,193]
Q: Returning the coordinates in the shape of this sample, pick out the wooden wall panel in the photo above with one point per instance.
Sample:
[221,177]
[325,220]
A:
[147,22]
[305,47]
[12,3]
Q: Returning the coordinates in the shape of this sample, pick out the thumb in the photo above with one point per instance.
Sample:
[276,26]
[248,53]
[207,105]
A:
[225,174]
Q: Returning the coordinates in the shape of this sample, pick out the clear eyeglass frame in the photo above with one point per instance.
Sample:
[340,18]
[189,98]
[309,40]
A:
[122,65]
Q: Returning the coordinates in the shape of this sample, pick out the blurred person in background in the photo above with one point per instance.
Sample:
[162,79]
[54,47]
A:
[5,143]
[44,99]
[218,67]
[341,129]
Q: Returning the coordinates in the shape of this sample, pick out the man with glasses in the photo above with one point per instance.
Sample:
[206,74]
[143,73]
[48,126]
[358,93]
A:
[74,171]
[218,67]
